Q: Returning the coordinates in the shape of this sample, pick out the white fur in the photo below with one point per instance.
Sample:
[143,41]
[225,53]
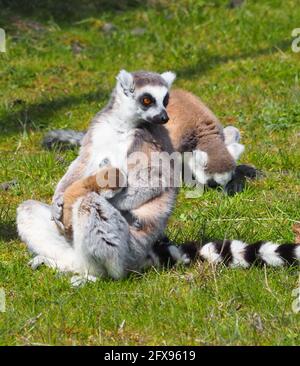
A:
[114,146]
[79,280]
[40,233]
[125,81]
[222,178]
[231,135]
[297,251]
[209,253]
[237,249]
[169,77]
[268,254]
[235,150]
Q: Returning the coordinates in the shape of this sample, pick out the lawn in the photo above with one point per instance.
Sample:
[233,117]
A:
[59,70]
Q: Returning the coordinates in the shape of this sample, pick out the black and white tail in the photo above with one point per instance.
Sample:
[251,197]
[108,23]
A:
[233,253]
[62,139]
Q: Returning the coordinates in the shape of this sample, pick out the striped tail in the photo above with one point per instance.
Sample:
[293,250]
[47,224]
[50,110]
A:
[233,253]
[62,139]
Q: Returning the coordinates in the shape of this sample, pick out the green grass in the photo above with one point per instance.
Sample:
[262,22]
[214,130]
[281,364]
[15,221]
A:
[240,62]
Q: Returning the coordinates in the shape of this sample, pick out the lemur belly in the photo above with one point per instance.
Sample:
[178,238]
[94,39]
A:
[108,145]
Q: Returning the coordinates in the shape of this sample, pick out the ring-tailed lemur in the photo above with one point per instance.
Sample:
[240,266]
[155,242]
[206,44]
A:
[105,240]
[192,128]
[106,237]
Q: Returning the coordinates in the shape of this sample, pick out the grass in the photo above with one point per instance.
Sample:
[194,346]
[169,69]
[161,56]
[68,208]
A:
[58,72]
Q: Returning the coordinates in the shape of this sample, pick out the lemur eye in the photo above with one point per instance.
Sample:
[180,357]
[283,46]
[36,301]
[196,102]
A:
[147,101]
[166,100]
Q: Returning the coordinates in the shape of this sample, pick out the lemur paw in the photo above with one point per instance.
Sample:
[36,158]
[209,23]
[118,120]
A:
[110,193]
[136,223]
[80,280]
[39,260]
[104,162]
[57,211]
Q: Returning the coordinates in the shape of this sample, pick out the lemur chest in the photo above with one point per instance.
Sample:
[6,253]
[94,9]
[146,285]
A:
[109,145]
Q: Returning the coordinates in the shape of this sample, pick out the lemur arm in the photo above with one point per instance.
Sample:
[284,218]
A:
[107,181]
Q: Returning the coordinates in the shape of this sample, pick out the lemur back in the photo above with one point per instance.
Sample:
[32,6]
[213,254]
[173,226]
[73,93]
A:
[194,128]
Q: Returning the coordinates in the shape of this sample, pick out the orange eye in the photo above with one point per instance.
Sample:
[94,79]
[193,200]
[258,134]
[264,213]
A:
[147,101]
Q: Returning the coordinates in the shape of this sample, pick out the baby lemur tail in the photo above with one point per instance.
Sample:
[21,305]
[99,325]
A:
[233,253]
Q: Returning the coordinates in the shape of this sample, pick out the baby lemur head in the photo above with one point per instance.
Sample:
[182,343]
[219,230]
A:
[143,96]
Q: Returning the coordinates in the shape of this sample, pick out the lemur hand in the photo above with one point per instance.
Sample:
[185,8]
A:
[57,211]
[137,224]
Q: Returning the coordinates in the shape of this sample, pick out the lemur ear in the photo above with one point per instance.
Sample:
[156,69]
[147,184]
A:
[126,82]
[169,77]
[236,150]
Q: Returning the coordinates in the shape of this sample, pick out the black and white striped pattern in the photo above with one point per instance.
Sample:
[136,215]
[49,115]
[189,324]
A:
[233,253]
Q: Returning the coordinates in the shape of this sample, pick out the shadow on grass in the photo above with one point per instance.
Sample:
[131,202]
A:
[8,231]
[66,12]
[207,61]
[37,115]
[40,114]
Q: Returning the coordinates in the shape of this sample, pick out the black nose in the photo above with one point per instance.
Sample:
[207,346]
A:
[164,117]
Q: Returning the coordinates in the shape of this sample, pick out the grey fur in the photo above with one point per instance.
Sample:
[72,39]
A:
[106,236]
[64,139]
[143,78]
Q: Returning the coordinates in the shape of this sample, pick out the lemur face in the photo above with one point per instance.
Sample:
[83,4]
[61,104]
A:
[146,95]
[151,102]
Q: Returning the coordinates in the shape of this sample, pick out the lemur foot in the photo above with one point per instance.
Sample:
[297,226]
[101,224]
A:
[80,280]
[39,260]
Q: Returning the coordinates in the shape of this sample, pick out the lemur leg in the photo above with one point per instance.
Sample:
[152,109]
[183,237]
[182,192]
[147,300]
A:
[42,237]
[101,237]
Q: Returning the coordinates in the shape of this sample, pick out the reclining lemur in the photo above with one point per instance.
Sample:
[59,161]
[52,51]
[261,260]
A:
[117,230]
[194,128]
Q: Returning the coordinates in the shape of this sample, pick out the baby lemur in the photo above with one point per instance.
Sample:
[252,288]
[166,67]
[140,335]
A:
[105,237]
